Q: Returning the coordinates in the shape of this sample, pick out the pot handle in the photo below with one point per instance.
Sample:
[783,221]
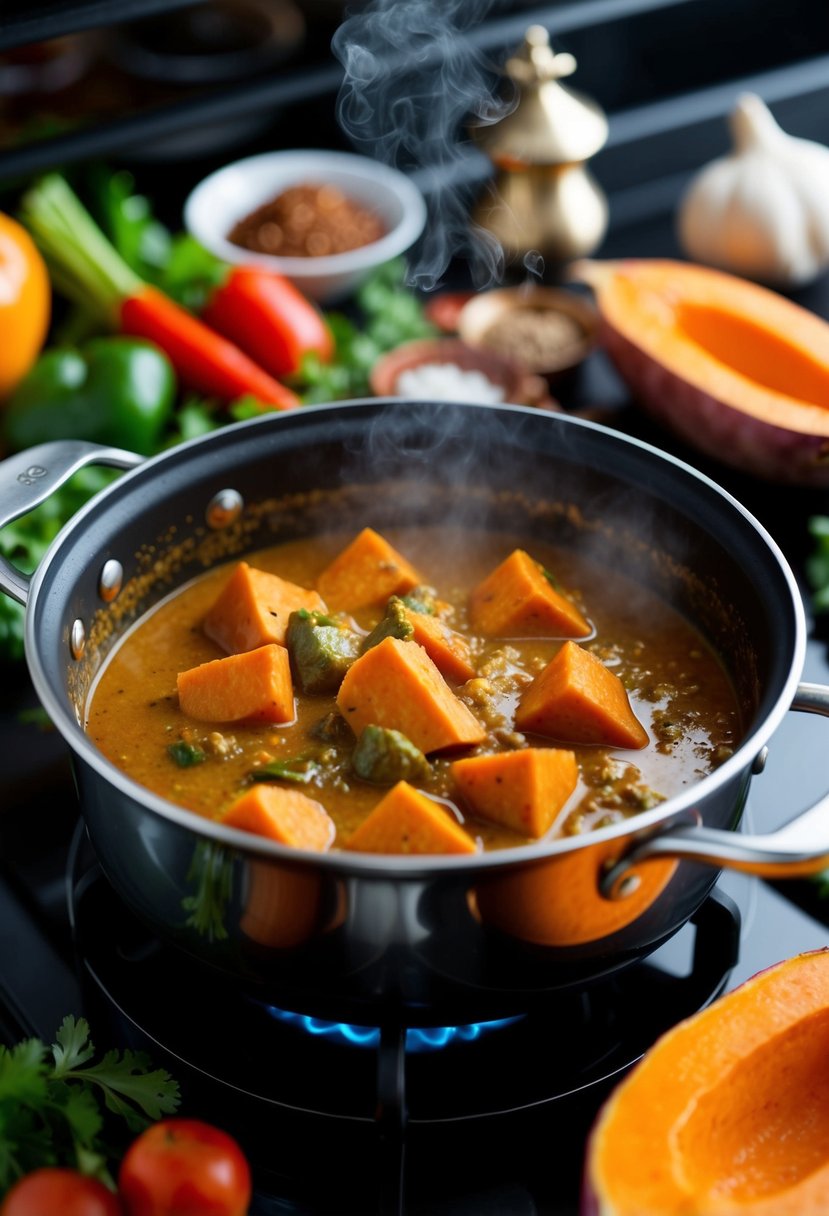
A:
[799,848]
[30,477]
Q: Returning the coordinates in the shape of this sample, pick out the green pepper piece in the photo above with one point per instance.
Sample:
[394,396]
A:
[395,624]
[386,756]
[117,391]
[321,648]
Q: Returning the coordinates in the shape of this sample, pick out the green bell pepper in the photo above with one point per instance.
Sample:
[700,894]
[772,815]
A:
[117,391]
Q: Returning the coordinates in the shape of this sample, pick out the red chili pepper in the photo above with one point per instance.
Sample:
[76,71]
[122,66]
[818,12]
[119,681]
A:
[269,318]
[444,310]
[85,266]
[203,359]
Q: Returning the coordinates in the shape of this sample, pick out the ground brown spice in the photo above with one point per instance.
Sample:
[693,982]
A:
[533,337]
[308,221]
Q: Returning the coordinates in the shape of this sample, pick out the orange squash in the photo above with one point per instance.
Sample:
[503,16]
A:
[728,1112]
[734,369]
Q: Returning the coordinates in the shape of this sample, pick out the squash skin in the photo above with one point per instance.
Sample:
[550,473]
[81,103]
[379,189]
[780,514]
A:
[764,1021]
[791,448]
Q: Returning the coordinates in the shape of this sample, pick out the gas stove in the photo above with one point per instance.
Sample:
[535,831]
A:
[340,1119]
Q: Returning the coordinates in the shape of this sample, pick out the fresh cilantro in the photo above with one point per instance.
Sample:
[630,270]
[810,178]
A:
[51,1098]
[300,769]
[247,407]
[25,541]
[212,872]
[194,417]
[186,755]
[388,314]
[37,716]
[817,564]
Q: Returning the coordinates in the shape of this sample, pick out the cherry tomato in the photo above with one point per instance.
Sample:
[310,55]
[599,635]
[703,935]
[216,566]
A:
[182,1167]
[47,1192]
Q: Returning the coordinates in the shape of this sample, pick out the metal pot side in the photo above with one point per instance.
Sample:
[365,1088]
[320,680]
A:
[443,938]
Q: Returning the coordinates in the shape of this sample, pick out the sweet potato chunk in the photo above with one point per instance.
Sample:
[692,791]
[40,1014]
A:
[577,699]
[524,790]
[253,609]
[367,572]
[448,650]
[396,684]
[407,821]
[254,686]
[287,816]
[518,600]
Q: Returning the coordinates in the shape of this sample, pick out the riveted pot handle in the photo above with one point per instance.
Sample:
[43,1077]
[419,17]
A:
[30,477]
[799,848]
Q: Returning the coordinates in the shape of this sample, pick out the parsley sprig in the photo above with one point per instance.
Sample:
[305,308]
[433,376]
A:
[51,1100]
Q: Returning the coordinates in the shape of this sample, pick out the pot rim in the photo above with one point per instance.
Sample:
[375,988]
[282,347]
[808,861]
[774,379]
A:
[412,867]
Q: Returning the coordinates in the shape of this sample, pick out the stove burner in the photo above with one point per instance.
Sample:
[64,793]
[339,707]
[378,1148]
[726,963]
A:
[418,1039]
[285,1083]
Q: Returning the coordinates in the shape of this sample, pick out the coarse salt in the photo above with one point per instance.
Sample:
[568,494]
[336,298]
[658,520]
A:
[448,382]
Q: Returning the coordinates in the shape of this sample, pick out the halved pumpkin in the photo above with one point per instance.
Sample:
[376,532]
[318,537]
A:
[734,369]
[729,1112]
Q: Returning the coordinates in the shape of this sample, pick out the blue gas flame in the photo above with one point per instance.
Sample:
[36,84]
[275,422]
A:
[428,1038]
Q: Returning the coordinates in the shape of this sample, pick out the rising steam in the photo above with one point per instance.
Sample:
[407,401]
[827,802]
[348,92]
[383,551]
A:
[413,84]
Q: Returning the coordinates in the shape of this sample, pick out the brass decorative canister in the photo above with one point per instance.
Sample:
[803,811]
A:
[543,197]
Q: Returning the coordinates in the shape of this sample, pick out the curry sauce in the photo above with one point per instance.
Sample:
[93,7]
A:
[676,686]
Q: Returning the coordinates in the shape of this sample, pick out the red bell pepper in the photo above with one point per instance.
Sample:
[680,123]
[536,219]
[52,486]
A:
[269,318]
[85,266]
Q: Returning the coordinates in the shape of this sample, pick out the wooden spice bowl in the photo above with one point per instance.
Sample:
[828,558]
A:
[547,330]
[519,386]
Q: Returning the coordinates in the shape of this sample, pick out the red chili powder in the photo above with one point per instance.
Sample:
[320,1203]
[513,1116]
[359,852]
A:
[308,222]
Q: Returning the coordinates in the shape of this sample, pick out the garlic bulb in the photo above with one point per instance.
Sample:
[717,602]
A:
[763,211]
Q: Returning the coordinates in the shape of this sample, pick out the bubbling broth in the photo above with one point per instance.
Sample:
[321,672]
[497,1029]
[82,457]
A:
[675,688]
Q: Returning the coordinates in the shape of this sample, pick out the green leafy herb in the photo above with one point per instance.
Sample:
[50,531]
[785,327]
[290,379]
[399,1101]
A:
[52,1101]
[35,716]
[551,578]
[817,564]
[25,541]
[212,871]
[186,754]
[389,313]
[300,769]
[194,417]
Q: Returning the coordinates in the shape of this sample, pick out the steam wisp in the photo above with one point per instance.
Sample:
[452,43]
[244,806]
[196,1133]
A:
[413,82]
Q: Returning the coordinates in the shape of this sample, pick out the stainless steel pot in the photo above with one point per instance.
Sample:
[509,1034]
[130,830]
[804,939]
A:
[435,938]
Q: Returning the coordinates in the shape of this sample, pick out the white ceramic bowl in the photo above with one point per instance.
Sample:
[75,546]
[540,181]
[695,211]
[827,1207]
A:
[231,193]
